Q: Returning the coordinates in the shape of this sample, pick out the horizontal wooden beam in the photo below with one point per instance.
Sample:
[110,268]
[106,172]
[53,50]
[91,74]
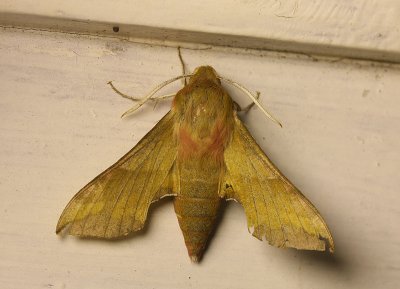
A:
[349,29]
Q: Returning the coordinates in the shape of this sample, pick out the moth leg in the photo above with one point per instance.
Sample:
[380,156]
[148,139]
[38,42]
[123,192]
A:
[134,98]
[246,109]
[183,65]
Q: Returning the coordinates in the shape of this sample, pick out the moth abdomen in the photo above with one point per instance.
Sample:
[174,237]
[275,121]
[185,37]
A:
[196,217]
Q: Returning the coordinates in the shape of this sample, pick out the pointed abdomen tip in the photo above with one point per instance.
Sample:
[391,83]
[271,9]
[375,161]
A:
[194,259]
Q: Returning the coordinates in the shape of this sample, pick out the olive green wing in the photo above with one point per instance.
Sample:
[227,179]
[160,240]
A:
[116,202]
[275,209]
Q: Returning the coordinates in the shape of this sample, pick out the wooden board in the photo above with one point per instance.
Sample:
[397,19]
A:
[341,28]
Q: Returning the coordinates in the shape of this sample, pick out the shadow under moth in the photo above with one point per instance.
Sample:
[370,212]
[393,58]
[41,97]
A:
[200,153]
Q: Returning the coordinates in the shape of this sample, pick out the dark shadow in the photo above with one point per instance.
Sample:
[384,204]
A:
[333,261]
[337,263]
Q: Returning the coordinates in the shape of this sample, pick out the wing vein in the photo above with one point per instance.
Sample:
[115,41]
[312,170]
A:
[150,178]
[93,201]
[117,200]
[272,201]
[129,194]
[252,194]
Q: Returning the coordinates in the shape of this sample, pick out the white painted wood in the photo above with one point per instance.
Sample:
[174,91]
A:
[60,127]
[366,29]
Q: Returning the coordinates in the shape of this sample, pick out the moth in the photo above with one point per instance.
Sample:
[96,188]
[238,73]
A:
[200,153]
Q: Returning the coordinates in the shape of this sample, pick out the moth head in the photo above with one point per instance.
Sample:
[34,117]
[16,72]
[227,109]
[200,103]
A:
[205,73]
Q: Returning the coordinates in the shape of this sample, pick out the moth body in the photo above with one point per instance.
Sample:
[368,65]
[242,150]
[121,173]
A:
[204,113]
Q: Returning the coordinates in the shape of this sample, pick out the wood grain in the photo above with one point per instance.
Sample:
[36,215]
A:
[351,28]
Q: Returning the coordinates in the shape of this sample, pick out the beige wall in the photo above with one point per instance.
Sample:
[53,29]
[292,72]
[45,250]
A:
[60,126]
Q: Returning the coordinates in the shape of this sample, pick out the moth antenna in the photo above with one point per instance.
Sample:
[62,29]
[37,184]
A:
[121,93]
[252,97]
[149,96]
[182,64]
[134,98]
[162,97]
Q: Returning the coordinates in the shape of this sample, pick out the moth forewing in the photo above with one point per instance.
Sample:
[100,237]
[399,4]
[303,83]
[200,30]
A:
[275,208]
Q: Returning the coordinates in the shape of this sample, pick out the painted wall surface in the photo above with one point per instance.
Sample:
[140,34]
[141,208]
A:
[60,127]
